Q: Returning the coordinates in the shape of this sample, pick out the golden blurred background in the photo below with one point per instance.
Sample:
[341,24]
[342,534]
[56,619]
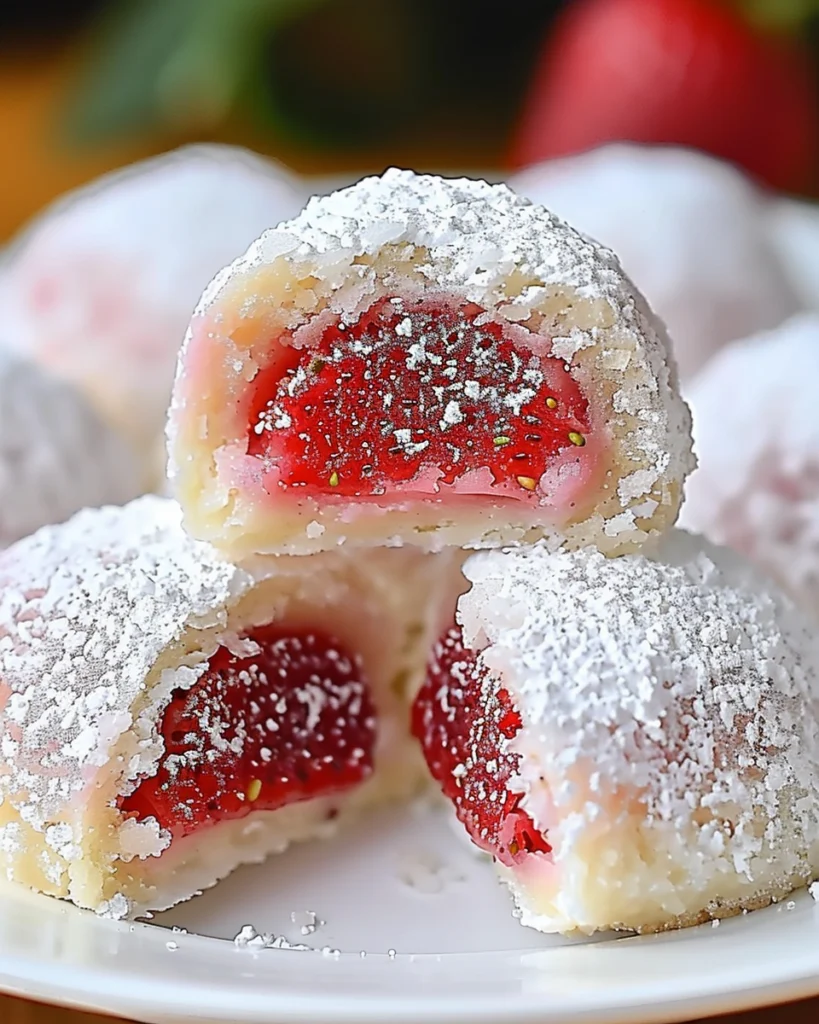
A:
[330,86]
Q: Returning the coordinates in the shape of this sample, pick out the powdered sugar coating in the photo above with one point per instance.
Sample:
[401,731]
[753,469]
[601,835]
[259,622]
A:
[56,456]
[86,609]
[101,286]
[103,620]
[757,485]
[669,702]
[476,235]
[405,235]
[691,231]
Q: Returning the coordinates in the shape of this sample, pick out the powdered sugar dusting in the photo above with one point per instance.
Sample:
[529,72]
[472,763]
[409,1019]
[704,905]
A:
[108,618]
[679,681]
[86,609]
[476,235]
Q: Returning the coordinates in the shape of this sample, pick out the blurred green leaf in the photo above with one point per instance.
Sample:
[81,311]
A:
[345,75]
[337,74]
[781,15]
[165,63]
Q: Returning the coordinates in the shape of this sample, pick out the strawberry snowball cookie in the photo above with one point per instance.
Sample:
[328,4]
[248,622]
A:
[691,231]
[56,456]
[166,716]
[426,361]
[756,429]
[100,288]
[634,739]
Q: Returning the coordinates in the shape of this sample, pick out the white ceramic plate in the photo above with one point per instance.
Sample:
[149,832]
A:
[440,945]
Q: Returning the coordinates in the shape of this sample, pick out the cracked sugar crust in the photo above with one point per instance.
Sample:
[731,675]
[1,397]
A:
[406,234]
[679,677]
[86,610]
[56,456]
[757,486]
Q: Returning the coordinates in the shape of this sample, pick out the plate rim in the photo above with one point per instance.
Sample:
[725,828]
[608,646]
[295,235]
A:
[670,1010]
[106,984]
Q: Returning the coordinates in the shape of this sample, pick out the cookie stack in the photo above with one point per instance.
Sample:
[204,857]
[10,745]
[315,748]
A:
[427,448]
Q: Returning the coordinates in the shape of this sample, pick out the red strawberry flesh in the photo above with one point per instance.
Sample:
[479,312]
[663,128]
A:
[294,721]
[464,720]
[414,386]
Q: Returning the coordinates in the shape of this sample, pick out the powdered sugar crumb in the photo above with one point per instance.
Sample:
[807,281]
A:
[307,921]
[249,938]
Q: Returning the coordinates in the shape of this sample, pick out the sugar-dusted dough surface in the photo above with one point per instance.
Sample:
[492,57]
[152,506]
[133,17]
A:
[405,236]
[102,619]
[670,736]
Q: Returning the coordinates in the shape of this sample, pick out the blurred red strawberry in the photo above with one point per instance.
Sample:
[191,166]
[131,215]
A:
[690,72]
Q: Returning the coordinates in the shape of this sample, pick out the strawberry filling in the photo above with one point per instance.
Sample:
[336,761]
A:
[415,386]
[464,720]
[294,721]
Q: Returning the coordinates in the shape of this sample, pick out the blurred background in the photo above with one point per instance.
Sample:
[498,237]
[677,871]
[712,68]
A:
[346,86]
